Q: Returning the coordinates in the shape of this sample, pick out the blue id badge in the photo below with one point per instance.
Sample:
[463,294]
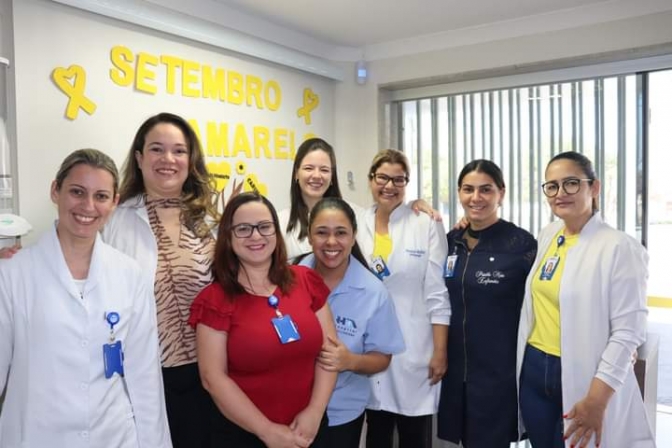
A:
[379,268]
[113,357]
[286,329]
[449,268]
[549,268]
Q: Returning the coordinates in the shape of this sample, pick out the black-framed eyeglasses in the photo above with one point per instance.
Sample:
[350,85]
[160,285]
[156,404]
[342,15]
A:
[571,186]
[245,230]
[382,179]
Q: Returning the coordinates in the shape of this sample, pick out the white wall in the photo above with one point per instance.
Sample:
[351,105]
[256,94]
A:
[358,111]
[48,35]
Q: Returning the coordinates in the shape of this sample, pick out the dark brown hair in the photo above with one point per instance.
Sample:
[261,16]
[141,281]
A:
[226,264]
[583,163]
[198,190]
[486,167]
[342,206]
[298,212]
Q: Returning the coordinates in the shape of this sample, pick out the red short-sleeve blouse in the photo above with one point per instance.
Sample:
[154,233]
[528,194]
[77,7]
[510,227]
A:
[278,378]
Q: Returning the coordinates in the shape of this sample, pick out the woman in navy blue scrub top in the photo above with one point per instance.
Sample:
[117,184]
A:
[486,268]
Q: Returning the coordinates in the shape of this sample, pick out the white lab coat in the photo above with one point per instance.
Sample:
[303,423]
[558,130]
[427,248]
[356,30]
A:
[129,231]
[51,353]
[295,247]
[418,290]
[602,322]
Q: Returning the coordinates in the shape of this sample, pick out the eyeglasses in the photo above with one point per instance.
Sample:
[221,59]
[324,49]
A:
[245,230]
[571,186]
[383,179]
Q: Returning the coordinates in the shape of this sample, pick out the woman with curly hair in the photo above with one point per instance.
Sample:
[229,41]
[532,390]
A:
[164,220]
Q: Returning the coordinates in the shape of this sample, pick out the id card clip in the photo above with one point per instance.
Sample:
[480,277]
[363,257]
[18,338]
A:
[379,268]
[113,354]
[284,326]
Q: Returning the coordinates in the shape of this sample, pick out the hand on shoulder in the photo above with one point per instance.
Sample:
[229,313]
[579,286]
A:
[9,252]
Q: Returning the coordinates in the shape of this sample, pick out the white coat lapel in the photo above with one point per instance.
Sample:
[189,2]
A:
[52,253]
[97,266]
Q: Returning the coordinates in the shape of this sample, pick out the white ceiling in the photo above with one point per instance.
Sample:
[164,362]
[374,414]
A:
[342,30]
[358,23]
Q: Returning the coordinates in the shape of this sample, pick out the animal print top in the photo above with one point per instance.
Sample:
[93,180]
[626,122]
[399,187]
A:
[184,268]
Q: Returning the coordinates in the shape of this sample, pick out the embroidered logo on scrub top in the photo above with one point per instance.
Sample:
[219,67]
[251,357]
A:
[346,325]
[491,277]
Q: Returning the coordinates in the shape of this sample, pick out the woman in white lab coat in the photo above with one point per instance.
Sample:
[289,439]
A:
[408,252]
[583,317]
[78,338]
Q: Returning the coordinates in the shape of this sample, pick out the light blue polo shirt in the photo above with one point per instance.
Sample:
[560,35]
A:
[365,322]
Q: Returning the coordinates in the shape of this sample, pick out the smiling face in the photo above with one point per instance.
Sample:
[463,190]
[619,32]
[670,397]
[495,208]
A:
[332,237]
[85,200]
[388,196]
[480,198]
[255,250]
[314,175]
[164,161]
[572,208]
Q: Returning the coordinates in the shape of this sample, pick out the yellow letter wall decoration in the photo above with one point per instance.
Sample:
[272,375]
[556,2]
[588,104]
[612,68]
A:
[74,90]
[164,73]
[310,102]
[122,59]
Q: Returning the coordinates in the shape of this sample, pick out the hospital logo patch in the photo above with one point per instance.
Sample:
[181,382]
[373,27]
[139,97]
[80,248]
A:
[346,325]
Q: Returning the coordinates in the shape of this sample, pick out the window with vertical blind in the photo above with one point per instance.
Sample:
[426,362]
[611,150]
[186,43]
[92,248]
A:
[521,129]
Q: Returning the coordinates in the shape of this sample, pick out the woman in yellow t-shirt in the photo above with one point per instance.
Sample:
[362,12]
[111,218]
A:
[583,316]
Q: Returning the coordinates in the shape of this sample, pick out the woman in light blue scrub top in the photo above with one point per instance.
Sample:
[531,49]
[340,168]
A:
[366,323]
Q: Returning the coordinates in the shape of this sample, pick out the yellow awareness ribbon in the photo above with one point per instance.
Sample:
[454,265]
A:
[310,102]
[74,89]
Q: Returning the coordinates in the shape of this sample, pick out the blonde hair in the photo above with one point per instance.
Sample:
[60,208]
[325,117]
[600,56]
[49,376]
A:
[391,156]
[90,157]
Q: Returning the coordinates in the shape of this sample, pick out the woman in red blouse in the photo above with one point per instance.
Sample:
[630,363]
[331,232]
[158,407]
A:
[259,330]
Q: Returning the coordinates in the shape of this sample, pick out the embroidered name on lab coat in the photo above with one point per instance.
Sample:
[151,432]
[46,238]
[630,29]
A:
[416,252]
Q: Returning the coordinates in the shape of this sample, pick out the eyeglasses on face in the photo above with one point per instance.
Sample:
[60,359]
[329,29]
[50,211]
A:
[383,179]
[245,230]
[571,186]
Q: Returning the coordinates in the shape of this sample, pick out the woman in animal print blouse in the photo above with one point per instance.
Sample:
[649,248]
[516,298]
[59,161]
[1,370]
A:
[165,221]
